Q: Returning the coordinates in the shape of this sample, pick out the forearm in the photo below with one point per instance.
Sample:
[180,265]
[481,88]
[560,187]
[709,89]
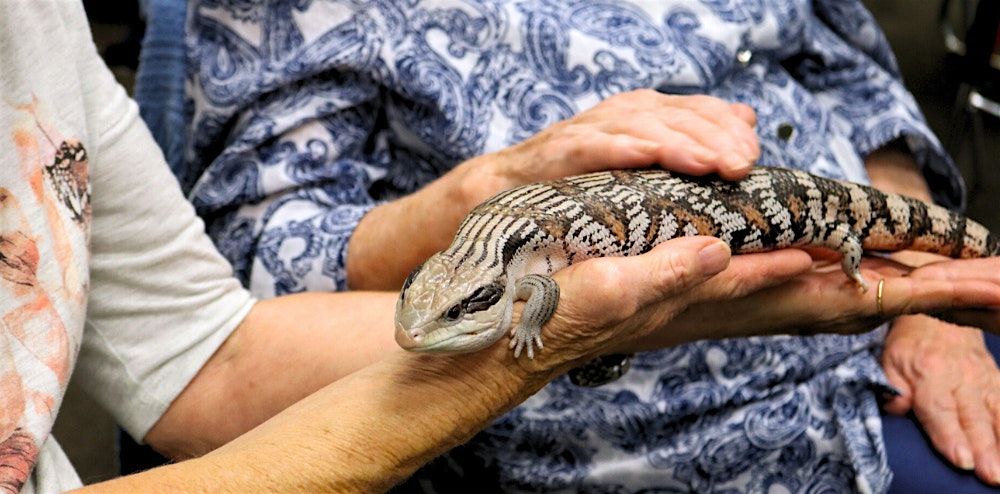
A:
[395,237]
[285,349]
[893,170]
[363,433]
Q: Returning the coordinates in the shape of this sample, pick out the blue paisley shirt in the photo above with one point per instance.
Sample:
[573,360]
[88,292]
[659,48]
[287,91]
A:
[307,113]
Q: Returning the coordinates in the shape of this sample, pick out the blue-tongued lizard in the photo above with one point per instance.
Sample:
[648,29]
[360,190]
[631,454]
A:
[462,299]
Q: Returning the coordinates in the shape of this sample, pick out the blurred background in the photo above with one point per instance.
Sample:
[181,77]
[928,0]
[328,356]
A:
[952,82]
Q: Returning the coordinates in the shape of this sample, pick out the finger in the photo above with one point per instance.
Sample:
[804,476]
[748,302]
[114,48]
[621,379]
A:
[985,269]
[903,403]
[739,128]
[683,153]
[613,288]
[940,421]
[914,296]
[724,115]
[992,399]
[726,136]
[749,273]
[679,265]
[977,423]
[744,112]
[844,310]
[678,150]
[598,150]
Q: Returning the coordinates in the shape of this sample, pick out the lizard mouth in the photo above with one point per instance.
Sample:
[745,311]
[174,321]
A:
[457,343]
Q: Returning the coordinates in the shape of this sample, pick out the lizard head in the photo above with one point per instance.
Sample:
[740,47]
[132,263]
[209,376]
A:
[449,308]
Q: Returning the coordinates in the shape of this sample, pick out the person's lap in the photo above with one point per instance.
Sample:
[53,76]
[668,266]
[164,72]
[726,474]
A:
[916,465]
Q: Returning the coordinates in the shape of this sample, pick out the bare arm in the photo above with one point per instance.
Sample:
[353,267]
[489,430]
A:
[363,433]
[285,349]
[292,346]
[371,429]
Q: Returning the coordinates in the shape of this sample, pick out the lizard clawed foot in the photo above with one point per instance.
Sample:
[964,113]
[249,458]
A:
[524,337]
[541,294]
[860,281]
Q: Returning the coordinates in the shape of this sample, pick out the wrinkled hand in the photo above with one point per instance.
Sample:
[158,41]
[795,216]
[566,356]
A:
[951,383]
[673,295]
[740,302]
[606,300]
[696,135]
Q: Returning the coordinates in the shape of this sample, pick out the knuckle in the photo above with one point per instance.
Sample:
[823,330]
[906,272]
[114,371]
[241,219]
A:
[606,276]
[709,103]
[747,110]
[573,153]
[645,93]
[571,143]
[992,399]
[939,402]
[642,123]
[673,271]
[629,98]
[934,365]
[609,278]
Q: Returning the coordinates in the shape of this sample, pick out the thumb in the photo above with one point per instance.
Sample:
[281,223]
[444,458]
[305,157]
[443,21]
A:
[677,266]
[613,288]
[901,404]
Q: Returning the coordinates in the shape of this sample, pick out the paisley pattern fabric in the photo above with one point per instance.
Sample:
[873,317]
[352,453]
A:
[306,114]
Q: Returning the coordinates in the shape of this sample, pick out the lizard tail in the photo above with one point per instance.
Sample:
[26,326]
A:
[993,244]
[945,232]
[905,223]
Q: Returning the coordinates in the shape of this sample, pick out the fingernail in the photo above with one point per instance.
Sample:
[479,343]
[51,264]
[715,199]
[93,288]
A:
[993,472]
[963,458]
[706,155]
[737,162]
[714,258]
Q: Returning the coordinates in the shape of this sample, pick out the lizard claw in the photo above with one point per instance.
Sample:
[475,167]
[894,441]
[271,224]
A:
[525,338]
[860,281]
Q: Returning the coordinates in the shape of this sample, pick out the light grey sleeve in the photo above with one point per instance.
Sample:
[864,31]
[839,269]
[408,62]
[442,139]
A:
[162,299]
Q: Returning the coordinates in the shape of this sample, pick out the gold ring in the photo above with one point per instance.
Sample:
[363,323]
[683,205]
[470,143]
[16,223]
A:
[878,298]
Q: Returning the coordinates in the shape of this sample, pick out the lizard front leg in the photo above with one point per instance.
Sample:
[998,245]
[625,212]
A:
[839,237]
[541,296]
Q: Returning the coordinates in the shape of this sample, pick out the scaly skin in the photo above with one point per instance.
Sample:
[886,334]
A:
[461,299]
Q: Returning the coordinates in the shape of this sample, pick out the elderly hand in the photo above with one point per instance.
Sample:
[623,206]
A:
[696,135]
[740,302]
[949,381]
[671,295]
[605,301]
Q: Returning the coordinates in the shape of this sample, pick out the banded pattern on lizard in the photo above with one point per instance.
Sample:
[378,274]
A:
[462,299]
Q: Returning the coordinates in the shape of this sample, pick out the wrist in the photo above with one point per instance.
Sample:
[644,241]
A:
[483,177]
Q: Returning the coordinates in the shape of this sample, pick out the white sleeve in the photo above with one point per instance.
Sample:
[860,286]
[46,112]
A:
[162,299]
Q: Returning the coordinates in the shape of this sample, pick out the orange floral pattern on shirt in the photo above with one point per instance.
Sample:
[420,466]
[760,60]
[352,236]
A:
[44,228]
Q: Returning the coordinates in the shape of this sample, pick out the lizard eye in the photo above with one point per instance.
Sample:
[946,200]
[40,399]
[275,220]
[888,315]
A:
[483,298]
[453,313]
